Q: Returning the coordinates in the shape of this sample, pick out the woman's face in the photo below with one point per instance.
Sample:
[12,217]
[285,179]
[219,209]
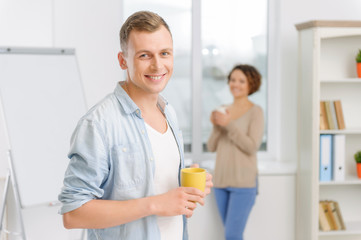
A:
[238,84]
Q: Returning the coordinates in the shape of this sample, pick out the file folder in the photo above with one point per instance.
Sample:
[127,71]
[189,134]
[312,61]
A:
[325,157]
[339,142]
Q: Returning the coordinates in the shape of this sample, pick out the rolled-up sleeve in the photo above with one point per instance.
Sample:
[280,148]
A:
[88,167]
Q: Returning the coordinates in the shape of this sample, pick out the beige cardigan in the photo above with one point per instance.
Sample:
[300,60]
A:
[236,145]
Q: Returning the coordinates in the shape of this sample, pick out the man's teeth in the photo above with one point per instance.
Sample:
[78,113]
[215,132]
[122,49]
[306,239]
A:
[155,77]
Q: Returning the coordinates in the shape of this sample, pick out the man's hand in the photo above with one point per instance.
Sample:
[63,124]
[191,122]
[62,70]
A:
[209,183]
[178,201]
[181,200]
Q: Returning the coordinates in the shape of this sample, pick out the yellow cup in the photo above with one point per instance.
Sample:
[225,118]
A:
[193,177]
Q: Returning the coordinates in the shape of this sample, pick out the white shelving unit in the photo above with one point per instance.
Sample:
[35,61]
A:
[327,71]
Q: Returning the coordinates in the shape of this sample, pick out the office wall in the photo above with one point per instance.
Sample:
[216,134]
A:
[89,26]
[92,28]
[270,218]
[290,13]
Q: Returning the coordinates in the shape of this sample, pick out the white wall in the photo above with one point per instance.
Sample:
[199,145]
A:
[270,218]
[292,12]
[89,26]
[92,28]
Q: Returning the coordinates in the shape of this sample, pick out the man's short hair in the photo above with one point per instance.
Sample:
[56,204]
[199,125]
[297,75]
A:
[252,74]
[140,21]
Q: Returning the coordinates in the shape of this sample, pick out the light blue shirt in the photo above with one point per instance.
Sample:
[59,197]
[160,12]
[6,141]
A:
[111,158]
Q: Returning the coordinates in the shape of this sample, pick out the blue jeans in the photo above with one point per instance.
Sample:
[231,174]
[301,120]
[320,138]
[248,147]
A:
[234,205]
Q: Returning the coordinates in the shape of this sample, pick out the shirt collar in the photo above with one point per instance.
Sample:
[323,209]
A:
[128,105]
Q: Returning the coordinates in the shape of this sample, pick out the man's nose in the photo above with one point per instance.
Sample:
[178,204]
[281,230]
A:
[156,63]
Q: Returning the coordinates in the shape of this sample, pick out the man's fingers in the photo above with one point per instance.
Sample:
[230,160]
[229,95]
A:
[191,205]
[195,165]
[193,199]
[208,176]
[194,195]
[194,191]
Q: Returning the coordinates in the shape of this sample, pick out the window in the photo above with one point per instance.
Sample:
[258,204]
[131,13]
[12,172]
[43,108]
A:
[208,41]
[235,35]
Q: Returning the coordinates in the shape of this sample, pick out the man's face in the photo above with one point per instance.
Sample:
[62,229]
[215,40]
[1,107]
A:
[149,60]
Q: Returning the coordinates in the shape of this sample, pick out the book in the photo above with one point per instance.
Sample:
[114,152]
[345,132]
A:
[339,114]
[339,216]
[323,116]
[332,215]
[339,155]
[325,157]
[329,115]
[333,114]
[323,221]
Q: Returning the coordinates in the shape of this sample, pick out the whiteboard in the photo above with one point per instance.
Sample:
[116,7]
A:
[42,99]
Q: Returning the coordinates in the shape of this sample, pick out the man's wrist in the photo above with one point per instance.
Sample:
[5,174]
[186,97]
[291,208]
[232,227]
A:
[151,205]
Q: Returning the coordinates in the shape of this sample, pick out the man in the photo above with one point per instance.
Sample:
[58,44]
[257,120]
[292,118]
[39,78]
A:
[122,181]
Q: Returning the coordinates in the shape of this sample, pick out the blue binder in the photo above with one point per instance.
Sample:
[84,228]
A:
[326,157]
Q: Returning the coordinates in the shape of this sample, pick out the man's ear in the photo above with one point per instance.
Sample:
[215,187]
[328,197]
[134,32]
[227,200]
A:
[122,62]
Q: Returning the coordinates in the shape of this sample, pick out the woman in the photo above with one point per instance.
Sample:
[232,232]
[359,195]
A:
[236,136]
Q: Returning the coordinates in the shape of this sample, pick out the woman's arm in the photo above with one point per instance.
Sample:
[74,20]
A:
[215,135]
[250,141]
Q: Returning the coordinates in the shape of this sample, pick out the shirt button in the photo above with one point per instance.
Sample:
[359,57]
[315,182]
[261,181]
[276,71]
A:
[124,149]
[151,159]
[142,131]
[137,111]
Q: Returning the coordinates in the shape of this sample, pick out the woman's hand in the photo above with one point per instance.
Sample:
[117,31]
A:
[212,118]
[220,119]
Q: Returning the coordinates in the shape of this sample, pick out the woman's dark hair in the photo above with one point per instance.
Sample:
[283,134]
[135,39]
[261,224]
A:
[252,74]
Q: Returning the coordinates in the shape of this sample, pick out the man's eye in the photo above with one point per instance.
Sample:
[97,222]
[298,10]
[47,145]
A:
[165,53]
[144,55]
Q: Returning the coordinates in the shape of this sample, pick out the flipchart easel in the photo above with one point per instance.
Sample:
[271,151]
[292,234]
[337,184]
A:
[41,99]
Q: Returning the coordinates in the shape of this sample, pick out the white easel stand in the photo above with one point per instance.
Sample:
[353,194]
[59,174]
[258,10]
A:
[11,182]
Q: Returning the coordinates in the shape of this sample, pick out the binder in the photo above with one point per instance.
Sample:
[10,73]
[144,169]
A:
[339,215]
[339,114]
[327,214]
[332,215]
[336,216]
[339,143]
[325,157]
[323,220]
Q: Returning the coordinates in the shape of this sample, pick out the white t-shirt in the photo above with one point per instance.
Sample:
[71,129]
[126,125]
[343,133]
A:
[167,160]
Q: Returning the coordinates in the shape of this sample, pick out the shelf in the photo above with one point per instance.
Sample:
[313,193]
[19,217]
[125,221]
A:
[328,72]
[344,131]
[345,80]
[339,32]
[350,180]
[352,228]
